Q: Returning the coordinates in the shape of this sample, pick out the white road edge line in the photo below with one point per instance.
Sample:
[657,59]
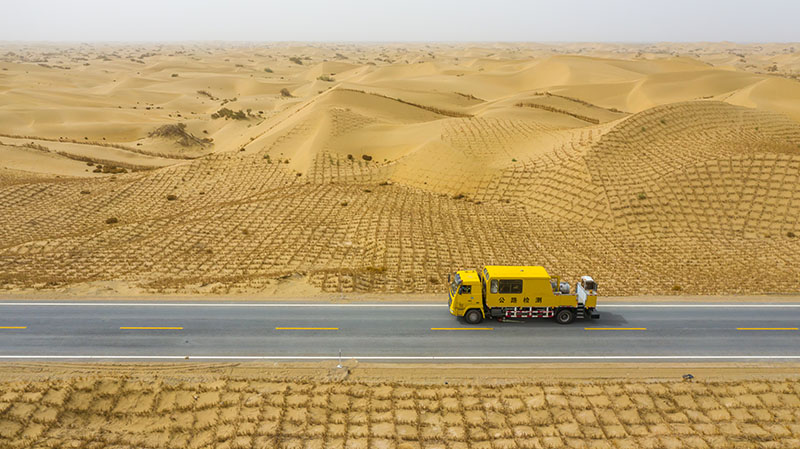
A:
[336,357]
[600,307]
[689,306]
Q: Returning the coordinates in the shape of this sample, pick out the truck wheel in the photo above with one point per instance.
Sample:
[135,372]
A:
[565,316]
[473,316]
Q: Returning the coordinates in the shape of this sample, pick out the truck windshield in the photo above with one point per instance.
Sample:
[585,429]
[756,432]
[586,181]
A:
[455,284]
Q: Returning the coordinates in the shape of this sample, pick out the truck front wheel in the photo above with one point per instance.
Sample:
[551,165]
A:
[565,316]
[473,316]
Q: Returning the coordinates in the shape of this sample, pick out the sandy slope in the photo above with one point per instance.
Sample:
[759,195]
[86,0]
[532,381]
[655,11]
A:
[318,406]
[659,169]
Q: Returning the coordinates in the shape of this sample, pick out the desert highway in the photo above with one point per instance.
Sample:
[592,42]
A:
[391,332]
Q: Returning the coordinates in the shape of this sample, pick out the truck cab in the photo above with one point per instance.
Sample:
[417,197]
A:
[466,296]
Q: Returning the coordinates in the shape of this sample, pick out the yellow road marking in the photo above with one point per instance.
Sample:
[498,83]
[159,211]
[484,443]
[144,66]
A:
[766,328]
[13,327]
[461,328]
[307,328]
[615,328]
[150,328]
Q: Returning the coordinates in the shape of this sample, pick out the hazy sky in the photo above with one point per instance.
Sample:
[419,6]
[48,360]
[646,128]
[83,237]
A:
[402,20]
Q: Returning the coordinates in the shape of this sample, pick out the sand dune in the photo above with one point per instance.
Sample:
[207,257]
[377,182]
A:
[660,169]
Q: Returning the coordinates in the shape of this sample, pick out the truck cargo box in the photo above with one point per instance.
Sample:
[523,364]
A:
[523,286]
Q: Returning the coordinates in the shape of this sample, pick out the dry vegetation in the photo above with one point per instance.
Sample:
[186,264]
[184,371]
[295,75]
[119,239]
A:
[179,134]
[220,407]
[384,181]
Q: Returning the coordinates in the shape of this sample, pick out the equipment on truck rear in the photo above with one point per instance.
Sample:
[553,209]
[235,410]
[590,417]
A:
[503,292]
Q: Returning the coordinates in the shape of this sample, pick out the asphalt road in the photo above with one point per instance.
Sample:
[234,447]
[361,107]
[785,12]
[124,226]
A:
[392,332]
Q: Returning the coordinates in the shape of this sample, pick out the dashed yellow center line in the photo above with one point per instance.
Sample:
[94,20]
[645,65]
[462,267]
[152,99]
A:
[307,328]
[766,328]
[150,328]
[461,328]
[13,327]
[615,328]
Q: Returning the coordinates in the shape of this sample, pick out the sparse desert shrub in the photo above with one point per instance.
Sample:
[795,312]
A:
[178,132]
[109,169]
[296,60]
[469,96]
[366,157]
[171,197]
[268,70]
[36,146]
[790,234]
[326,78]
[85,192]
[112,220]
[350,157]
[229,114]
[207,94]
[285,92]
[676,288]
[174,75]
[641,196]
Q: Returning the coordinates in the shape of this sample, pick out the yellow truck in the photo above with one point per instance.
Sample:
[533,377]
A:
[509,292]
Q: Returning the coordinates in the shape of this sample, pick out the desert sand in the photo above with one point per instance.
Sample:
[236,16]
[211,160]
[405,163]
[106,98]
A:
[663,169]
[410,407]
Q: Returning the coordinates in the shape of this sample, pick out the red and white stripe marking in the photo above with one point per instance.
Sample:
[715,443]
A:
[529,312]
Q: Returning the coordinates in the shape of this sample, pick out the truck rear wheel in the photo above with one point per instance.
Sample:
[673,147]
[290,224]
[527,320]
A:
[473,316]
[565,316]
